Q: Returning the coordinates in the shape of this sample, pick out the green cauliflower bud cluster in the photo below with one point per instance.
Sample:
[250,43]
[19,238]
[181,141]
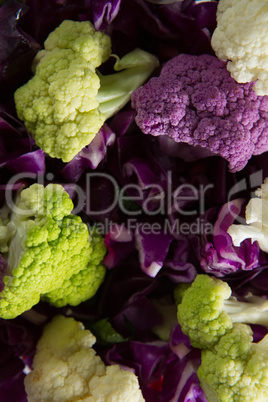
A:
[83,284]
[65,103]
[51,254]
[201,313]
[236,369]
[233,368]
[58,105]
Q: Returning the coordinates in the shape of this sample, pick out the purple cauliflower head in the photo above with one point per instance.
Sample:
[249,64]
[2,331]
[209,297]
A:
[196,101]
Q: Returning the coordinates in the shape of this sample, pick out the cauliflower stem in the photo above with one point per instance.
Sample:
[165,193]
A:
[256,219]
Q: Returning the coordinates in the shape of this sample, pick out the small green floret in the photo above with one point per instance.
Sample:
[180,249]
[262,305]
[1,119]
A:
[201,312]
[236,369]
[49,254]
[207,310]
[233,367]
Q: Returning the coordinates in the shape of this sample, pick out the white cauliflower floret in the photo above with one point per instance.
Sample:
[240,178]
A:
[115,385]
[256,219]
[67,369]
[241,38]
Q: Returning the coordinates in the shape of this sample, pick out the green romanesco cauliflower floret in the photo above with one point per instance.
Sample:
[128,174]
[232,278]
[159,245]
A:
[233,368]
[40,201]
[201,312]
[236,369]
[65,103]
[207,310]
[85,282]
[50,246]
[59,105]
[66,368]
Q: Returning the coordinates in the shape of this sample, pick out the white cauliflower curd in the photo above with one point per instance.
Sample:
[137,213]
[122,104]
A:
[241,38]
[67,369]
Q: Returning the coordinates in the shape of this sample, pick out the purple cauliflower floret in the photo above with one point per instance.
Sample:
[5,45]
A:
[196,101]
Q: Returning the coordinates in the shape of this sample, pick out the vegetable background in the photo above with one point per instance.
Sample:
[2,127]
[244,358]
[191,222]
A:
[132,288]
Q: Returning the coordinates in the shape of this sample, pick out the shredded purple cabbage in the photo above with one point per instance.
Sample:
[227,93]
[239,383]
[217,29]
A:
[91,156]
[166,370]
[18,153]
[17,49]
[152,249]
[143,266]
[216,253]
[3,269]
[18,339]
[104,12]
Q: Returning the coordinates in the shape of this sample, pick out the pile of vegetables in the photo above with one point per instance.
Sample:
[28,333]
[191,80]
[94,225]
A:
[133,200]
